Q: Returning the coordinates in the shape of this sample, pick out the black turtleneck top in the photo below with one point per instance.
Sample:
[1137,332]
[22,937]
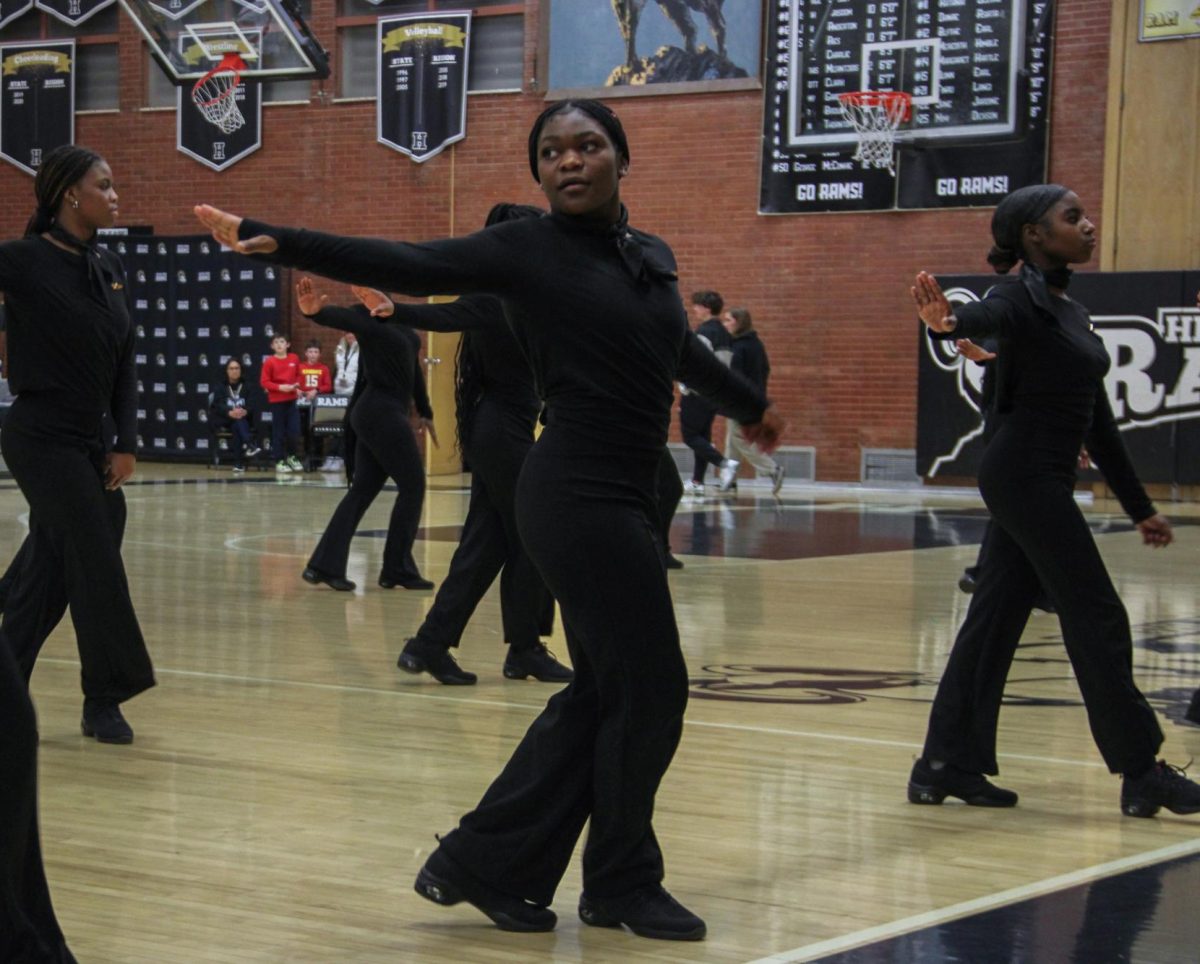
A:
[598,315]
[1050,370]
[70,339]
[390,359]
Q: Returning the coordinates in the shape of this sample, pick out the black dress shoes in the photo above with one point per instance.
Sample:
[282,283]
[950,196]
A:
[648,912]
[929,786]
[538,662]
[422,657]
[316,577]
[671,561]
[443,882]
[103,720]
[409,582]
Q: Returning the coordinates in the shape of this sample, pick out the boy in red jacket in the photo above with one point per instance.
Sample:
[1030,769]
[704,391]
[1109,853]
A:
[280,379]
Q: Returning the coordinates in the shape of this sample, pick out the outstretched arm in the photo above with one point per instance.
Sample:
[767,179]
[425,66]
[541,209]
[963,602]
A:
[468,313]
[484,261]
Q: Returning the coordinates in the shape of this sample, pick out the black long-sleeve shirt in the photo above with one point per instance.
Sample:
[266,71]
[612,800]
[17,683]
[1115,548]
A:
[604,345]
[1050,369]
[750,359]
[68,341]
[390,358]
[505,374]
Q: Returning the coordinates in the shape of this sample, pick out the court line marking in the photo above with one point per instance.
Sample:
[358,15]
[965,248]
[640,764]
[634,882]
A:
[506,704]
[1039,888]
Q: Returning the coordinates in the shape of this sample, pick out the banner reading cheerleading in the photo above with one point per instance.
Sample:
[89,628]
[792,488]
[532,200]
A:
[421,82]
[37,101]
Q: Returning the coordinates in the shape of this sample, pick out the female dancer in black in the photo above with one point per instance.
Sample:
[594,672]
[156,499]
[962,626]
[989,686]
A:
[497,407]
[385,445]
[595,306]
[1051,400]
[66,301]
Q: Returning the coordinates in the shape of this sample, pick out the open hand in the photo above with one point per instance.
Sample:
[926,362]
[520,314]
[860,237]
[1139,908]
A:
[307,299]
[379,304]
[1156,531]
[767,432]
[224,227]
[932,305]
[973,352]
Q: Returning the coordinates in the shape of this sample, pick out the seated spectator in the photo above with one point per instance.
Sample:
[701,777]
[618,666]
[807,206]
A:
[234,407]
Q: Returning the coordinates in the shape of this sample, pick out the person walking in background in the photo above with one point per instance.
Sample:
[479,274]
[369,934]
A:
[696,413]
[1051,396]
[750,361]
[594,305]
[385,443]
[280,379]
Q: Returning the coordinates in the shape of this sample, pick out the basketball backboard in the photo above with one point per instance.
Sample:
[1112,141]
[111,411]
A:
[962,63]
[189,37]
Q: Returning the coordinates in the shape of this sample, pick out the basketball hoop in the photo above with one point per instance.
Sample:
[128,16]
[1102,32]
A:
[875,115]
[215,94]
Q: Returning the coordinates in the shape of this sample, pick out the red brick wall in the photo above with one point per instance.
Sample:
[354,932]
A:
[828,292]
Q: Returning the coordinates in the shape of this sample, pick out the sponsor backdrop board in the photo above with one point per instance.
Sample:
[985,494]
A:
[195,305]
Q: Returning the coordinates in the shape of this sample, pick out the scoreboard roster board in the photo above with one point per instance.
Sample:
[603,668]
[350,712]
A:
[978,73]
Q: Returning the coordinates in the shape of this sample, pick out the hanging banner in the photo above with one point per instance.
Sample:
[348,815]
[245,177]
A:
[421,82]
[73,12]
[1148,321]
[11,9]
[37,100]
[1169,20]
[195,135]
[973,126]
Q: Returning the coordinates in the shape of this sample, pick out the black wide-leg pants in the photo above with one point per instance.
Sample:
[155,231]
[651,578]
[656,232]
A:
[1039,536]
[384,447]
[696,416]
[490,543]
[602,745]
[29,931]
[72,556]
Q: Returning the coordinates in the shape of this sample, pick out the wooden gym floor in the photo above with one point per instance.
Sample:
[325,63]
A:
[287,780]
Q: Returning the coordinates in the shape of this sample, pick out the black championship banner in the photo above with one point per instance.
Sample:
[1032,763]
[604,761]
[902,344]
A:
[1150,325]
[421,82]
[11,9]
[199,138]
[977,75]
[37,100]
[73,12]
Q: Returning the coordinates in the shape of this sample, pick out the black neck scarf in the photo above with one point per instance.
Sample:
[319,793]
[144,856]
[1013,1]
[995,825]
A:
[103,282]
[641,267]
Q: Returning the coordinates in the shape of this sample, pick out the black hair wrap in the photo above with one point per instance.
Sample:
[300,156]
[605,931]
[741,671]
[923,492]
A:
[1026,205]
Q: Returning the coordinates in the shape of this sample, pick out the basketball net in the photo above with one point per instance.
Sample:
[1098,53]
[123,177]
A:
[215,94]
[875,115]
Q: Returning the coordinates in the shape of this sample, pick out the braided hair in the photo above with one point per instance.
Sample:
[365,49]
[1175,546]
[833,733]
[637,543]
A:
[468,377]
[62,168]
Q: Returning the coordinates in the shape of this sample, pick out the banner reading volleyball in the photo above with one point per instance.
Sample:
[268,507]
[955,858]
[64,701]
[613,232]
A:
[37,100]
[421,82]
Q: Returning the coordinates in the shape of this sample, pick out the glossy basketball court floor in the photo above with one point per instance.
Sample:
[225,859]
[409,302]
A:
[287,780]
